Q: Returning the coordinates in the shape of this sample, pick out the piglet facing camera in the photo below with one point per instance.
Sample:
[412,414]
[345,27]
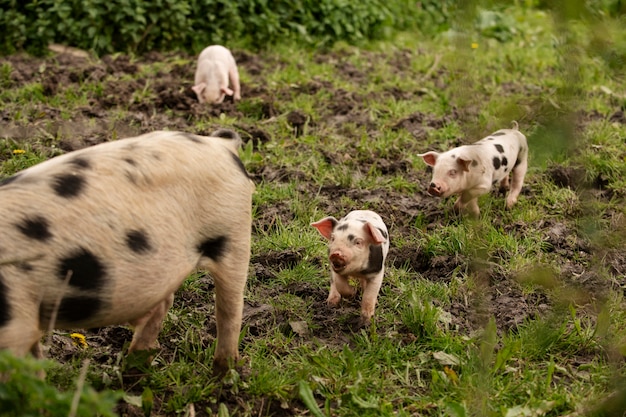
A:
[472,170]
[357,248]
[106,235]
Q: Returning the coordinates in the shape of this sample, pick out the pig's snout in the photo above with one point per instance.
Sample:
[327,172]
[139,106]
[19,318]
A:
[437,189]
[338,261]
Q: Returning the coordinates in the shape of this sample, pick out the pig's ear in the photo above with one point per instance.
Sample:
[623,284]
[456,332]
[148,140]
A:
[429,157]
[199,88]
[464,163]
[325,226]
[375,233]
[227,91]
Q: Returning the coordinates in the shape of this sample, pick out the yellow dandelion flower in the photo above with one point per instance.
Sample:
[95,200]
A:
[18,151]
[79,339]
[474,45]
[451,374]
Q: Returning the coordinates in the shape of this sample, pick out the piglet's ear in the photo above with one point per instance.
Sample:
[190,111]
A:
[429,157]
[199,88]
[375,233]
[464,163]
[227,91]
[325,226]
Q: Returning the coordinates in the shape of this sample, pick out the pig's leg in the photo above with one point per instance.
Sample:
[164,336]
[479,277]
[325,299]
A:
[233,74]
[230,276]
[148,327]
[516,184]
[371,289]
[21,333]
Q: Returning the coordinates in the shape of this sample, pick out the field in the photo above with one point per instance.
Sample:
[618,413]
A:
[520,312]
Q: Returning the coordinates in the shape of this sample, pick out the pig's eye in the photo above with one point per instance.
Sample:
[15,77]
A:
[452,172]
[358,242]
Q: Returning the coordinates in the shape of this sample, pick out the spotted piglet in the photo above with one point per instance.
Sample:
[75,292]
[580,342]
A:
[105,235]
[471,170]
[358,246]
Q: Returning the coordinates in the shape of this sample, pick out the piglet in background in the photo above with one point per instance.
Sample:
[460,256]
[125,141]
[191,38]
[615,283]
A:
[216,66]
[357,248]
[472,170]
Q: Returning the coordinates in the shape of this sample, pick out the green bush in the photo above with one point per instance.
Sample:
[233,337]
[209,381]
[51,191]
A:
[106,26]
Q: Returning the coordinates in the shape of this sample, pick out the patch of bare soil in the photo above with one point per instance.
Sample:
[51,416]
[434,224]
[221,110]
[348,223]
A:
[165,100]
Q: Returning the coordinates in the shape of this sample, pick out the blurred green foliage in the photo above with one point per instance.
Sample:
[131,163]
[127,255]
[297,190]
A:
[137,26]
[24,393]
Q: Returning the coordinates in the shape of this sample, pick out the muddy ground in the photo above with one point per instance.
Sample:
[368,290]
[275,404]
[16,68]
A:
[175,107]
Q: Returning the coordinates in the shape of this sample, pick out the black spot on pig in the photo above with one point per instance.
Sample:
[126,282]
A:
[375,261]
[213,248]
[226,134]
[343,226]
[496,162]
[35,228]
[498,134]
[78,308]
[25,266]
[240,164]
[137,241]
[5,308]
[505,161]
[474,162]
[517,162]
[80,163]
[86,271]
[351,237]
[68,185]
[499,147]
[9,180]
[490,138]
[383,232]
[191,137]
[130,161]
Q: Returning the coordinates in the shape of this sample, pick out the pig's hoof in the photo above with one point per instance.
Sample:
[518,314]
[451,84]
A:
[364,322]
[334,301]
[223,366]
[510,204]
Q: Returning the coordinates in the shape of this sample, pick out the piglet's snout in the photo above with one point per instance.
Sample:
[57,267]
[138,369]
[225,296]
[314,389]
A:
[436,189]
[338,261]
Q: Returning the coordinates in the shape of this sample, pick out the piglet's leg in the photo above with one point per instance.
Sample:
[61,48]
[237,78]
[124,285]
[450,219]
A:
[339,286]
[370,296]
[469,207]
[147,328]
[504,185]
[517,181]
[233,74]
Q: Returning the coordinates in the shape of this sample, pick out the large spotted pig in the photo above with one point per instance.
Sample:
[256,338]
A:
[216,66]
[105,235]
[357,248]
[472,170]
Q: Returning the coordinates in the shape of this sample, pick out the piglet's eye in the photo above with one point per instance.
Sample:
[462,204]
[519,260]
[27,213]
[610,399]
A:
[452,172]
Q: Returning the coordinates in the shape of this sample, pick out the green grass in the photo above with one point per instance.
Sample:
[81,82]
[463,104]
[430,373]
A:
[444,341]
